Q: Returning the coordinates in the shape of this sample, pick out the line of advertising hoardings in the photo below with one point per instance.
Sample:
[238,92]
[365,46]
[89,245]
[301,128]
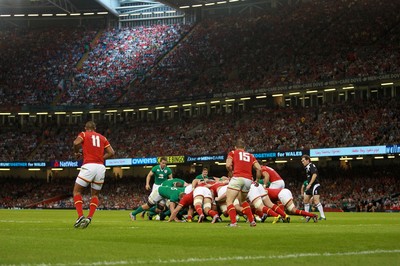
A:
[183,159]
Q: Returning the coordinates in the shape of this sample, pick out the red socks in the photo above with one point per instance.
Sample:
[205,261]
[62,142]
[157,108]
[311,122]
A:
[278,210]
[94,202]
[78,204]
[232,213]
[199,209]
[247,211]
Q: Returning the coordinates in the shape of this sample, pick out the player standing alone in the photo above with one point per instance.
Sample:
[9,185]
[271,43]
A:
[96,149]
[313,187]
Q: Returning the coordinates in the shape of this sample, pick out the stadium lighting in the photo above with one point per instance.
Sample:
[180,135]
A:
[221,2]
[60,113]
[231,1]
[5,113]
[200,5]
[111,111]
[201,103]
[245,98]
[94,112]
[75,14]
[42,113]
[378,157]
[47,15]
[391,156]
[88,14]
[359,158]
[127,110]
[125,167]
[215,101]
[277,95]
[314,159]
[170,11]
[57,169]
[209,4]
[33,169]
[5,15]
[261,96]
[173,106]
[345,158]
[330,89]
[218,163]
[19,15]
[160,107]
[281,161]
[229,100]
[147,13]
[314,91]
[61,15]
[159,12]
[4,169]
[102,13]
[186,104]
[348,88]
[387,84]
[77,113]
[23,114]
[183,7]
[143,109]
[33,15]
[294,93]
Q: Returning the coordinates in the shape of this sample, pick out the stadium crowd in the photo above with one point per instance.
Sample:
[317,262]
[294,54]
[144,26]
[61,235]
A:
[310,42]
[358,123]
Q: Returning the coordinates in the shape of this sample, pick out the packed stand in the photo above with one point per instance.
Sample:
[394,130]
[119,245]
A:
[120,56]
[358,123]
[37,64]
[317,41]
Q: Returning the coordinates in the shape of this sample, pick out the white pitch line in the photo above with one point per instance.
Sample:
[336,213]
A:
[217,259]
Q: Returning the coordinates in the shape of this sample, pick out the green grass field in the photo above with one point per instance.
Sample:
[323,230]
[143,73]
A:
[47,237]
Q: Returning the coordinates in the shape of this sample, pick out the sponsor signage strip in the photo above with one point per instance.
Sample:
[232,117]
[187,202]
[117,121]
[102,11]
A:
[348,151]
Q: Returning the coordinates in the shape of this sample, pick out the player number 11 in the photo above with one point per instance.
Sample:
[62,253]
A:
[96,141]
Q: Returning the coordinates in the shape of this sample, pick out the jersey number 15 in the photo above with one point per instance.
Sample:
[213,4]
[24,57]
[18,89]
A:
[244,156]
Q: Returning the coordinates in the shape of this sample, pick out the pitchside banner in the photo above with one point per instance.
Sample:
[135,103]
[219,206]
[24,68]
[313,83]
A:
[119,162]
[23,164]
[347,151]
[144,161]
[390,149]
[205,158]
[66,164]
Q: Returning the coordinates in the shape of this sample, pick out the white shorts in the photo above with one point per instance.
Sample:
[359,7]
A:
[91,173]
[277,184]
[285,196]
[202,191]
[256,192]
[240,184]
[188,189]
[154,196]
[222,191]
